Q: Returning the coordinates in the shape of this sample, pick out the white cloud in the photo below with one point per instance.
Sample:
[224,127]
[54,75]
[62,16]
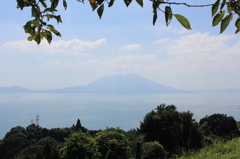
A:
[81,65]
[162,40]
[119,64]
[202,51]
[74,46]
[199,43]
[131,47]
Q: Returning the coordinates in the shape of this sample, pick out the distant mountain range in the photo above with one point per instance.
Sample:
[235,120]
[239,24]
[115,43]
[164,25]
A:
[129,84]
[122,84]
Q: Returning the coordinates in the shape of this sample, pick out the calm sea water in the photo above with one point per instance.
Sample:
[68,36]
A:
[97,111]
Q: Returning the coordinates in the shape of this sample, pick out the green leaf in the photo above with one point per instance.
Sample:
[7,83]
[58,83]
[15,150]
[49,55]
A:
[20,4]
[237,24]
[27,27]
[140,2]
[127,2]
[100,11]
[49,16]
[65,4]
[155,5]
[168,15]
[154,17]
[58,18]
[36,22]
[49,10]
[37,39]
[48,36]
[184,21]
[52,29]
[111,3]
[43,4]
[225,22]
[217,18]
[215,7]
[54,4]
[34,14]
[30,38]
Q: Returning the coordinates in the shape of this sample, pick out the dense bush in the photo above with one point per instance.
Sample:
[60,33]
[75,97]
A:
[80,145]
[220,125]
[113,144]
[153,150]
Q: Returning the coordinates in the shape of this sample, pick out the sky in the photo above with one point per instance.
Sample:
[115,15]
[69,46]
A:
[124,41]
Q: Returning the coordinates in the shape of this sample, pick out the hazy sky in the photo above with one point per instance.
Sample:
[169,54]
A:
[123,41]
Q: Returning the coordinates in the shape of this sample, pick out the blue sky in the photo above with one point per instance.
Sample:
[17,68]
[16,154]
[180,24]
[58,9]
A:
[123,41]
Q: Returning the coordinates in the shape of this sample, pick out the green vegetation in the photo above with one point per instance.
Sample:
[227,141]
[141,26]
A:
[42,11]
[221,150]
[164,133]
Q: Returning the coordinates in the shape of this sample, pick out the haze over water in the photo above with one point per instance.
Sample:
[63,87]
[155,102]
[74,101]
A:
[97,111]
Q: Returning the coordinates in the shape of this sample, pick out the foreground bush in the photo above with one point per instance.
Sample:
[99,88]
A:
[153,150]
[113,144]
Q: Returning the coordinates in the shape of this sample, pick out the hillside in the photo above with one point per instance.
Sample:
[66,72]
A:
[230,149]
[130,83]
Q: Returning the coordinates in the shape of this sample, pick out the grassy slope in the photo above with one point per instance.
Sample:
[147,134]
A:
[228,150]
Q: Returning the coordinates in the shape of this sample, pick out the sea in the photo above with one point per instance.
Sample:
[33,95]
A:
[98,111]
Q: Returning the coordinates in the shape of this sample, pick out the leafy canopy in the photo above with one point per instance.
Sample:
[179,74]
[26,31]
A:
[42,11]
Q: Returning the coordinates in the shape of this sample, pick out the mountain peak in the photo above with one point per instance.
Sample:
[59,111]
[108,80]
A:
[129,83]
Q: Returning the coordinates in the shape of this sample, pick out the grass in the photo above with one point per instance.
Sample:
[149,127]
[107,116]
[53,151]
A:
[221,150]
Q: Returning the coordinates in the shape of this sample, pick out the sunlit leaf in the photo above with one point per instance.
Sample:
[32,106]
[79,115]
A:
[111,3]
[49,16]
[230,8]
[41,35]
[154,18]
[168,15]
[127,2]
[215,7]
[36,22]
[140,2]
[225,22]
[65,4]
[52,29]
[93,4]
[30,38]
[217,18]
[100,11]
[184,21]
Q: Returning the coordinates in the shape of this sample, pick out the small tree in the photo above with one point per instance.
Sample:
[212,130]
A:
[220,125]
[80,145]
[113,144]
[172,129]
[80,127]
